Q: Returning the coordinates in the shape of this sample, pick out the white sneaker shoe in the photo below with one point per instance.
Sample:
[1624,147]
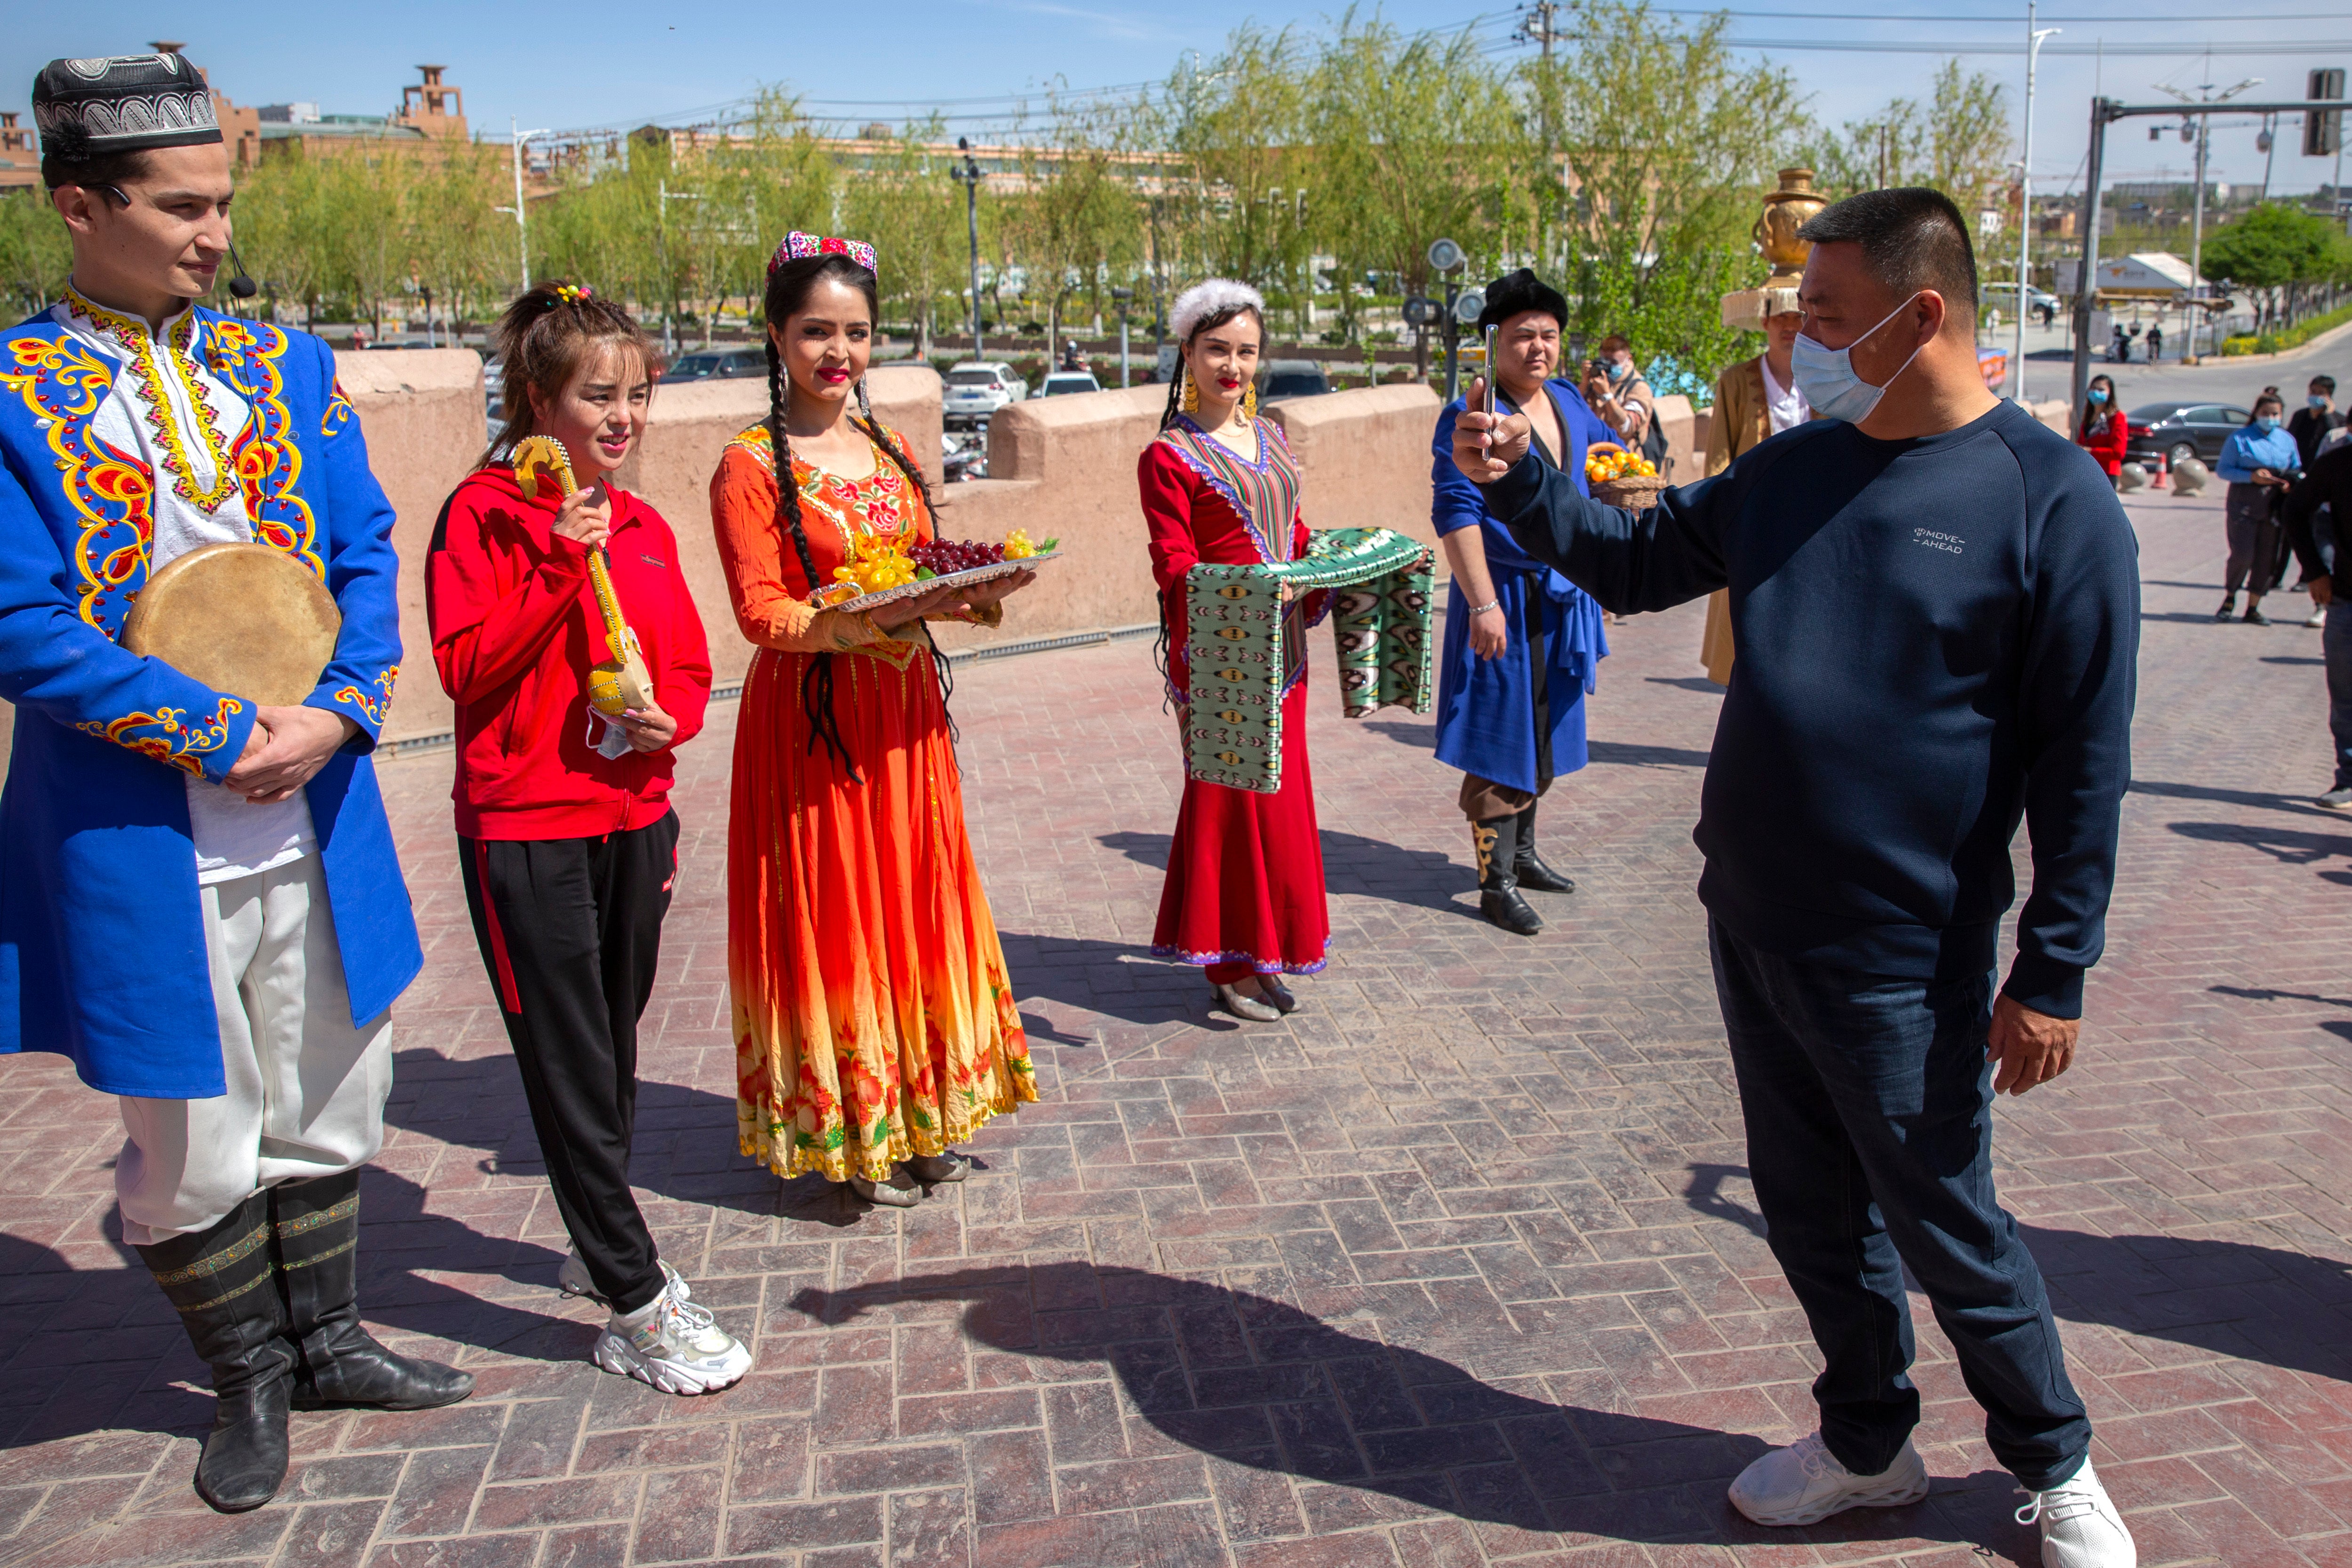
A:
[2318,616]
[673,1344]
[1804,1483]
[572,1280]
[2080,1526]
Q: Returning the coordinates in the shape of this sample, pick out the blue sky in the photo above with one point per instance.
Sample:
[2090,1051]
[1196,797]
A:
[626,65]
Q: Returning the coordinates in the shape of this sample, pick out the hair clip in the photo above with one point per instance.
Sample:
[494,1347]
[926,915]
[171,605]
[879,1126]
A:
[574,293]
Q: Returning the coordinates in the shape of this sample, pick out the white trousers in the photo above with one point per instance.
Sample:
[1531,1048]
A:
[306,1090]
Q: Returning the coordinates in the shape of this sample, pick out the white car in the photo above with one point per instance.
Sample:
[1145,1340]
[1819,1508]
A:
[1068,381]
[978,388]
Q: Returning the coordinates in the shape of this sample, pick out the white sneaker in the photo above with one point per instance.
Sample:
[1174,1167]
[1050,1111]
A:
[673,1344]
[2318,616]
[572,1280]
[1804,1483]
[2080,1526]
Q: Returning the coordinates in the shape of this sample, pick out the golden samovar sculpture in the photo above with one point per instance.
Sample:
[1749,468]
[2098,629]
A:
[1786,211]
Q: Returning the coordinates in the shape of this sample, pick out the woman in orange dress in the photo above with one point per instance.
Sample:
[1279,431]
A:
[874,1024]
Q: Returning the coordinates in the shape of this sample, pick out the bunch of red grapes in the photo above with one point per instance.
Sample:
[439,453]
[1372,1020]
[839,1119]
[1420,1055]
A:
[945,555]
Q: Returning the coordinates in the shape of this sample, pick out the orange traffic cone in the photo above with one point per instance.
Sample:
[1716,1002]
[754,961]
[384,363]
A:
[2163,466]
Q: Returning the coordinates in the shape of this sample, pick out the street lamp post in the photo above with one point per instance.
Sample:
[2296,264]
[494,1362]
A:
[2203,131]
[2025,204]
[1123,297]
[521,212]
[966,174]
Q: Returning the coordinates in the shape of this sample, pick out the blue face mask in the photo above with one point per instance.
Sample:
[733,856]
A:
[1826,376]
[2098,395]
[1620,369]
[2317,401]
[2266,424]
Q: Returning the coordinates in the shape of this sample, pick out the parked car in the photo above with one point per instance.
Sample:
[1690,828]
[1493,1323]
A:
[719,364]
[1063,382]
[978,388]
[2178,430]
[1283,378]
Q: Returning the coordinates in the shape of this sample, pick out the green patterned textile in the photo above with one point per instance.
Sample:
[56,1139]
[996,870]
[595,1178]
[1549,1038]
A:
[1240,645]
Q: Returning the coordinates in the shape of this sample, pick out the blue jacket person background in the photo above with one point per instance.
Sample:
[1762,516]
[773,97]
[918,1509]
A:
[199,899]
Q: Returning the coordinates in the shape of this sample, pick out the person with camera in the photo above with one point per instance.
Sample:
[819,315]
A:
[1617,393]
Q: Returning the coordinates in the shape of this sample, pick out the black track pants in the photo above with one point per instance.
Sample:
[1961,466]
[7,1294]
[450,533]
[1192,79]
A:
[570,933]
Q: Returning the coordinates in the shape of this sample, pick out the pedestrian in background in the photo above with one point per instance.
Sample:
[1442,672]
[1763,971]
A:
[2327,485]
[2316,418]
[2257,463]
[1617,393]
[2101,429]
[2154,343]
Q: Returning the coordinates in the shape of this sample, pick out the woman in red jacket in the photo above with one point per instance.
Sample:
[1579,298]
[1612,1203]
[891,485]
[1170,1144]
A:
[2101,429]
[567,842]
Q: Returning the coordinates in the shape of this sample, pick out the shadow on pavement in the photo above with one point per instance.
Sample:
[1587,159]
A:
[2265,1304]
[128,1357]
[1259,1384]
[2299,804]
[1623,755]
[1418,879]
[2282,844]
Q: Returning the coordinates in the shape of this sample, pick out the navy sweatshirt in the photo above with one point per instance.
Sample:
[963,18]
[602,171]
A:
[1936,637]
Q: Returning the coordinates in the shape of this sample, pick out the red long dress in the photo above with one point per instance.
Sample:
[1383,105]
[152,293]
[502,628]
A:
[1244,890]
[2107,438]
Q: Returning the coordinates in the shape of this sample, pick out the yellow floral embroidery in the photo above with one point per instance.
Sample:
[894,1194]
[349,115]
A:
[269,461]
[134,340]
[61,385]
[175,739]
[372,706]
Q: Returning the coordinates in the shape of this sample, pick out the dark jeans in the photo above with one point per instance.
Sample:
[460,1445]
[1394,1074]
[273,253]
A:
[1869,1110]
[2336,644]
[570,930]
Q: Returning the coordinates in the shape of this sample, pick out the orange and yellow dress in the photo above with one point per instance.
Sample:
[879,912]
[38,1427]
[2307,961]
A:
[873,1019]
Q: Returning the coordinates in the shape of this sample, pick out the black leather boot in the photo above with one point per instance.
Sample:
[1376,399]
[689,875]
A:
[1528,869]
[337,1362]
[1496,839]
[220,1282]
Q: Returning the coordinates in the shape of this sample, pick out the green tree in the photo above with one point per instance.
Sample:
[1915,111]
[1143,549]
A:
[1076,218]
[2274,248]
[34,253]
[1234,198]
[904,205]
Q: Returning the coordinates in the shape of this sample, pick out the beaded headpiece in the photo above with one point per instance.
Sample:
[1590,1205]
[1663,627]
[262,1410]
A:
[799,246]
[574,293]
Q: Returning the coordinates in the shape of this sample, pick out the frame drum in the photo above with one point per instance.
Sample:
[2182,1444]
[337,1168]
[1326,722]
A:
[243,618]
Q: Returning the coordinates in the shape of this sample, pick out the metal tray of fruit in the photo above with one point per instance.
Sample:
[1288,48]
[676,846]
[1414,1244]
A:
[922,585]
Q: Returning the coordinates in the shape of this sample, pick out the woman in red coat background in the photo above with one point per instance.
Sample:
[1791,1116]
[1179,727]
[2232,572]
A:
[1245,893]
[2101,429]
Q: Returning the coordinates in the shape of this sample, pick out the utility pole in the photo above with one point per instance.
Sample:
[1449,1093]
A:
[2202,128]
[966,174]
[1536,27]
[521,212]
[2025,202]
[1122,298]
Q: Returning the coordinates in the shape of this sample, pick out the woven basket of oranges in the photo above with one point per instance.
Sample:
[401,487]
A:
[1620,477]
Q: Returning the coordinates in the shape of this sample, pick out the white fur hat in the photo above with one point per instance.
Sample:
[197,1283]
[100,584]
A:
[1201,300]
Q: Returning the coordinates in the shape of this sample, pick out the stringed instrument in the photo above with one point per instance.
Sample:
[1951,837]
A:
[621,682]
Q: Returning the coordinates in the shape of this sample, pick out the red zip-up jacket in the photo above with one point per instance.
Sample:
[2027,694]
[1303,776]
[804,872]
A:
[514,630]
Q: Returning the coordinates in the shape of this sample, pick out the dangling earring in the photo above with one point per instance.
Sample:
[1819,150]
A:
[1191,389]
[1249,404]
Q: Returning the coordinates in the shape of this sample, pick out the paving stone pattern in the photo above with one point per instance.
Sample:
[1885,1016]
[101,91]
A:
[1458,1264]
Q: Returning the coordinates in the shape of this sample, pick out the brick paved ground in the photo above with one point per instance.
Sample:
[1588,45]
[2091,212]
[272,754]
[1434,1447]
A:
[1457,1266]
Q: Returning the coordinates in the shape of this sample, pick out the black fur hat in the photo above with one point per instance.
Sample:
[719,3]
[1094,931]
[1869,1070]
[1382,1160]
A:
[1521,291]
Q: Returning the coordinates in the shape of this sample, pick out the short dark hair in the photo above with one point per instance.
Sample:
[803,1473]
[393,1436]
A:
[106,169]
[2273,398]
[1912,237]
[2326,384]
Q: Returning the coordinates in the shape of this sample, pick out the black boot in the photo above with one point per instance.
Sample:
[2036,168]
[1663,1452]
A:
[1528,870]
[1497,840]
[337,1362]
[219,1280]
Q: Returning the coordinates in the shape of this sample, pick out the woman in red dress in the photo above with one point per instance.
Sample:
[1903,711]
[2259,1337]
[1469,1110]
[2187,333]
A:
[2101,429]
[1244,892]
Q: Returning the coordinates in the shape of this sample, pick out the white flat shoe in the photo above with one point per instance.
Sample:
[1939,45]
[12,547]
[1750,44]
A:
[932,1170]
[900,1192]
[2080,1525]
[1249,1007]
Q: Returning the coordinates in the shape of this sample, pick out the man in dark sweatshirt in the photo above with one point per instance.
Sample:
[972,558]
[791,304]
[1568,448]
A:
[1937,606]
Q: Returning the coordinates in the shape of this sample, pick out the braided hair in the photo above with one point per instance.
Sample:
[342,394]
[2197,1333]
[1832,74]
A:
[789,287]
[541,340]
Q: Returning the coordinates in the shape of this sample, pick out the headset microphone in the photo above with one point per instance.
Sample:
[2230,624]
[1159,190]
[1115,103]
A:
[242,286]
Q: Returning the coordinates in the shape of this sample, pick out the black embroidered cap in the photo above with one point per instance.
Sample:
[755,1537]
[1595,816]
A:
[1519,292]
[121,103]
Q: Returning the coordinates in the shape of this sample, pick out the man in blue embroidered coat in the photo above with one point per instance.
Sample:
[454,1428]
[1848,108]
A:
[199,899]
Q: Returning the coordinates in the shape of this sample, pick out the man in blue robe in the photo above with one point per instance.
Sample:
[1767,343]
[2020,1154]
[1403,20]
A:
[1522,644]
[199,900]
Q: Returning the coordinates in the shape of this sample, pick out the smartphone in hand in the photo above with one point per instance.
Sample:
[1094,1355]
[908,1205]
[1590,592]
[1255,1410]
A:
[1489,408]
